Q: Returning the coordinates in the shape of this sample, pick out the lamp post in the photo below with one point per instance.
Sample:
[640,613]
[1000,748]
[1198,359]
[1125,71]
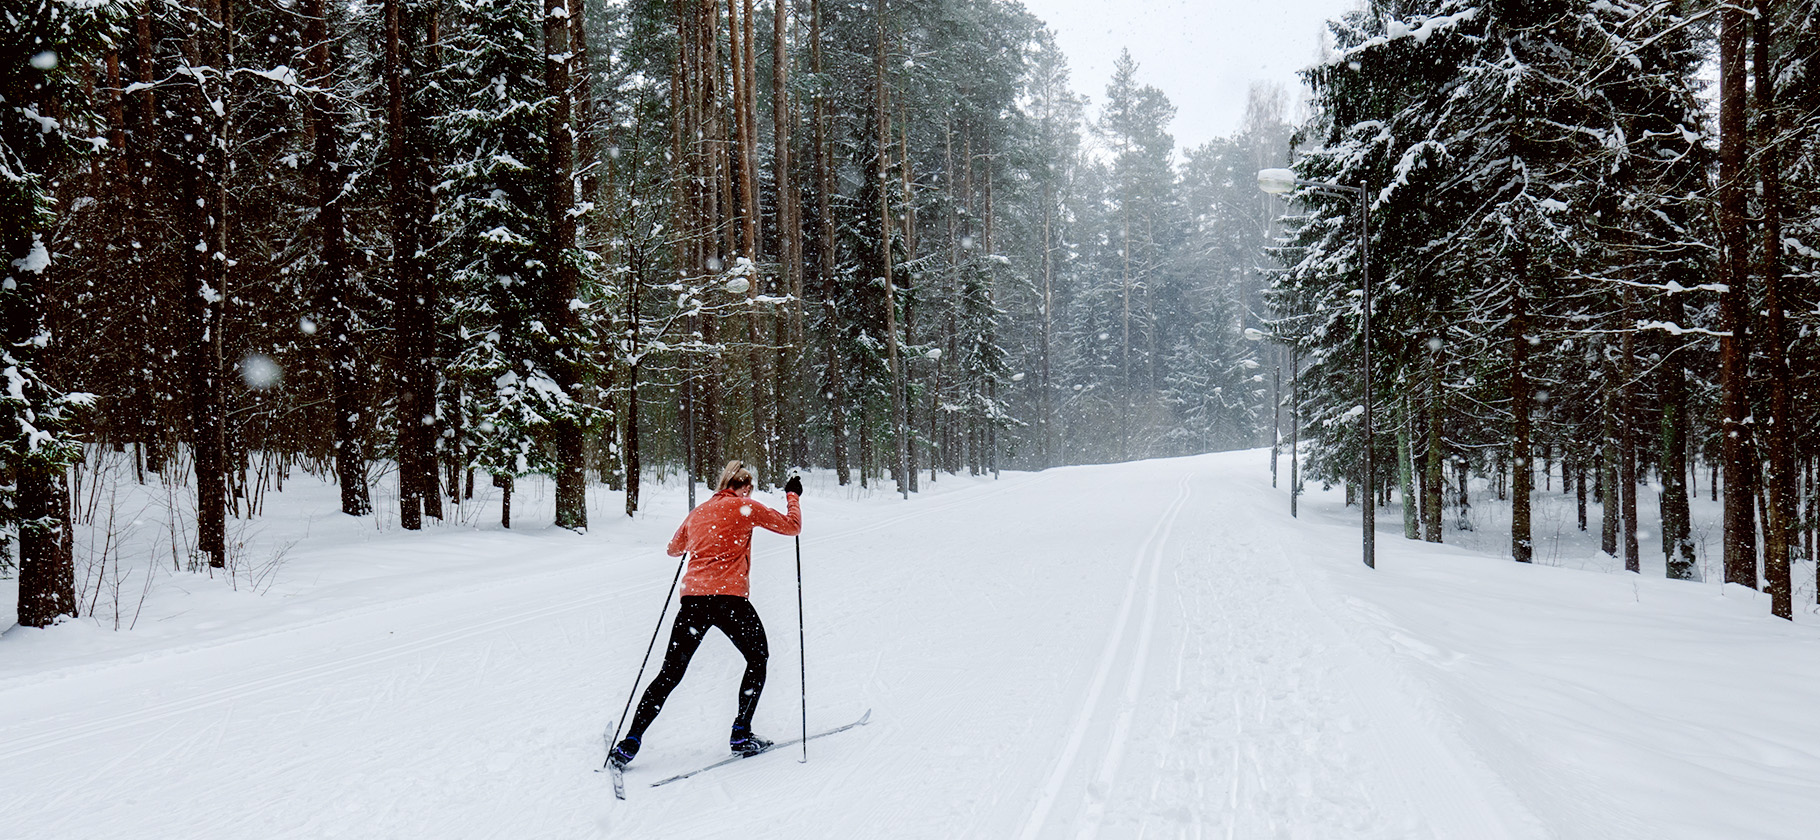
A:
[1295,419]
[1283,182]
[1276,396]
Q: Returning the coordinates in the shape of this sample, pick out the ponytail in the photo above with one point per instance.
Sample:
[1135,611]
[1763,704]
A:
[734,477]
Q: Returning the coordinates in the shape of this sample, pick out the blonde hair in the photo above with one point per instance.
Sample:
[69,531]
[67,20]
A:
[734,476]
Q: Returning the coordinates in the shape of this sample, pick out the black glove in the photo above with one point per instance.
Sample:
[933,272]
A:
[794,485]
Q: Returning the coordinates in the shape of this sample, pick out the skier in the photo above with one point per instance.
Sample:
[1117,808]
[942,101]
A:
[717,536]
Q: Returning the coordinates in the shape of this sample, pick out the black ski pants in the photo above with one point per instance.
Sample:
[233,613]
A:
[735,617]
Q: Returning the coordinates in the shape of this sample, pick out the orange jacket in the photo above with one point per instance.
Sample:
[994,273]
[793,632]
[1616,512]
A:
[718,537]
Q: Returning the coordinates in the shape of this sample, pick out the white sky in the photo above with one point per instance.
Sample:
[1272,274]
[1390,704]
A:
[1203,54]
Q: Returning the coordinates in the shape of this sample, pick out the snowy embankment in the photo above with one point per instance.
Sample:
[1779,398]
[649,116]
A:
[1149,649]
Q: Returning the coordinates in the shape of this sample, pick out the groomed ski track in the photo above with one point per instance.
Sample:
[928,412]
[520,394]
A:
[1139,650]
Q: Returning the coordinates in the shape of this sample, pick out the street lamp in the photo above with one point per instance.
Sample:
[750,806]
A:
[1283,182]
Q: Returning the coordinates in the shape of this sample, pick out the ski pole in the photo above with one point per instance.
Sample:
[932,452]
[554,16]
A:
[647,660]
[802,655]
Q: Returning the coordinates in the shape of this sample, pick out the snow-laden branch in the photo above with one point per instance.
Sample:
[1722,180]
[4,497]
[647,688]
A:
[1673,328]
[1395,30]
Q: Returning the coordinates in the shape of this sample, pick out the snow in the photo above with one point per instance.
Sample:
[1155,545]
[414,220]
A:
[46,125]
[1396,30]
[260,372]
[1150,649]
[281,74]
[36,260]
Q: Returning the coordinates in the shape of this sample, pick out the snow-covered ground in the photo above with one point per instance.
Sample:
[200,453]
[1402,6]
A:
[1151,649]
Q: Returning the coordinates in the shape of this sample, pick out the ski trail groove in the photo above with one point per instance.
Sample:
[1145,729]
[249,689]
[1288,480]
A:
[1052,788]
[1134,678]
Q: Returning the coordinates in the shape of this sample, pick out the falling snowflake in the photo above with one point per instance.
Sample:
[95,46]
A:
[259,371]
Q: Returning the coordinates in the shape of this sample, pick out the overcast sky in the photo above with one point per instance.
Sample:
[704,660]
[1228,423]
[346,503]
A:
[1203,54]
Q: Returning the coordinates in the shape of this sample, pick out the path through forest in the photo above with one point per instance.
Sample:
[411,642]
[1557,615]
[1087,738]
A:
[1150,649]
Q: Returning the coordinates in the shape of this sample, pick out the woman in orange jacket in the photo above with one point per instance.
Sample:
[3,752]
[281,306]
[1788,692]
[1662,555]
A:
[717,535]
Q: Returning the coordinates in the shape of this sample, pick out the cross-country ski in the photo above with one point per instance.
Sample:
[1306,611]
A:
[863,720]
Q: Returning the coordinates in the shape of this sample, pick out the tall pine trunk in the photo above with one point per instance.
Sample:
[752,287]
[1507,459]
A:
[899,428]
[835,393]
[789,392]
[408,283]
[1412,526]
[743,62]
[1677,520]
[1627,436]
[1432,485]
[1609,504]
[47,568]
[141,155]
[1046,407]
[205,199]
[1580,485]
[563,274]
[1734,349]
[334,335]
[1521,468]
[1778,525]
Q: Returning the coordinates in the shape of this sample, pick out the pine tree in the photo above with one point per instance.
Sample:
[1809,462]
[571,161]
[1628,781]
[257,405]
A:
[519,328]
[44,110]
[335,310]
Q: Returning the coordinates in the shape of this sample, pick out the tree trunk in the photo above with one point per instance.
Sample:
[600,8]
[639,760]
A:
[790,393]
[1627,438]
[1405,473]
[1580,484]
[1046,407]
[1463,475]
[1431,501]
[629,438]
[1609,494]
[423,208]
[142,153]
[408,284]
[1734,303]
[909,222]
[47,570]
[563,275]
[458,458]
[1522,466]
[743,62]
[1813,519]
[334,335]
[205,178]
[1677,522]
[899,427]
[835,392]
[1778,537]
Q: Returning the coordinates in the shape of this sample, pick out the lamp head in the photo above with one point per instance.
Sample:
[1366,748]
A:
[1276,181]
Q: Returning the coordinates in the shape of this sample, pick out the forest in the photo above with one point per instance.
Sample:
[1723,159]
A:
[1589,262]
[417,244]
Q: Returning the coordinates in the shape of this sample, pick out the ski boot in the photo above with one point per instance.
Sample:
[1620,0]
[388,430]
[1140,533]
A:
[743,742]
[622,755]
